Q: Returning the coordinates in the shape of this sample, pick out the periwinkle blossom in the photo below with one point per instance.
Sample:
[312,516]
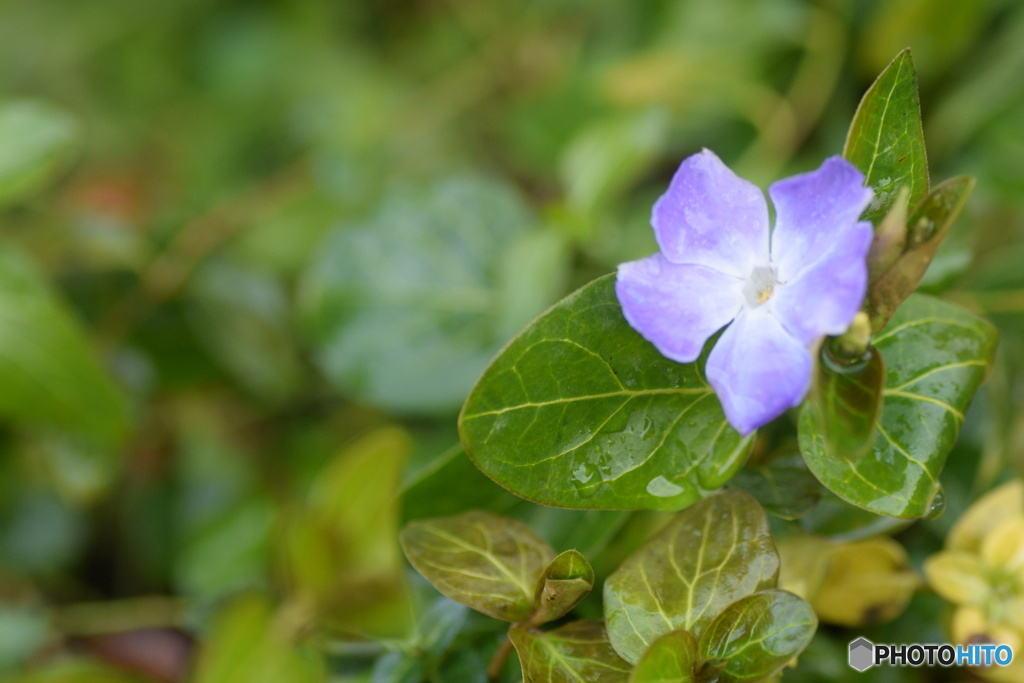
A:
[782,292]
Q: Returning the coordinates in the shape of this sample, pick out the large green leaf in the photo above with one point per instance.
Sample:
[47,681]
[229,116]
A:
[848,400]
[580,411]
[49,372]
[672,658]
[578,651]
[886,140]
[481,560]
[928,225]
[709,556]
[758,635]
[936,355]
[406,308]
[36,142]
[566,581]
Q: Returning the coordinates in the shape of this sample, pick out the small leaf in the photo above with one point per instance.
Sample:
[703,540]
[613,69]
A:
[936,355]
[565,582]
[37,140]
[890,237]
[580,411]
[848,400]
[929,223]
[50,375]
[984,514]
[481,560]
[669,659]
[758,635]
[579,651]
[886,141]
[709,556]
[868,582]
[784,486]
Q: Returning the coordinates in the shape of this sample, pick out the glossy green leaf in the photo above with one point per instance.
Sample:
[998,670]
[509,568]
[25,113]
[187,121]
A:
[565,582]
[481,560]
[784,486]
[928,225]
[670,659]
[758,635]
[578,651]
[886,141]
[406,308]
[248,644]
[848,400]
[50,375]
[936,356]
[37,140]
[712,554]
[580,411]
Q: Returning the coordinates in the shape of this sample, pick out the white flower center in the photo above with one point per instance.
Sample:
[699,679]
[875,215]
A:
[760,286]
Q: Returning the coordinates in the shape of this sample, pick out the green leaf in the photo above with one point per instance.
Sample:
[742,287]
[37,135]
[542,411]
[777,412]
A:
[37,140]
[929,224]
[480,560]
[669,659]
[406,308]
[936,356]
[848,400]
[566,581]
[579,651]
[580,411]
[758,635]
[248,644]
[243,318]
[709,556]
[784,486]
[48,370]
[886,141]
[338,549]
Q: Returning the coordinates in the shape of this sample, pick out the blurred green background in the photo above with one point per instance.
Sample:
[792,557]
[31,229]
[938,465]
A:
[255,253]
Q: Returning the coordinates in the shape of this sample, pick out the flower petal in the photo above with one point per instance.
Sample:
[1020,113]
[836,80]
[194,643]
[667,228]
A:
[711,217]
[676,307]
[824,297]
[811,210]
[758,370]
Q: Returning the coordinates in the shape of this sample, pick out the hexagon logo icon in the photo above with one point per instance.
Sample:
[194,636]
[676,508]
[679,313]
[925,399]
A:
[862,654]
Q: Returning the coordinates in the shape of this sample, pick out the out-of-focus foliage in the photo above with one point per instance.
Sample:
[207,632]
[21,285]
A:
[255,254]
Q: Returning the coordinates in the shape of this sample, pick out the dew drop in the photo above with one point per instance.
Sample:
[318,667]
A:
[663,488]
[938,504]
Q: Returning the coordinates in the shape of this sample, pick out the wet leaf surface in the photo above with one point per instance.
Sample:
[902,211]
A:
[580,411]
[578,651]
[936,356]
[712,554]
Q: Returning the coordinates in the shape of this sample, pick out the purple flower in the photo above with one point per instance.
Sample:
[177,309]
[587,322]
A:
[782,294]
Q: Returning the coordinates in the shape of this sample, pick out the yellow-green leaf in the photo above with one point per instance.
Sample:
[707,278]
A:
[481,560]
[758,635]
[670,659]
[712,554]
[576,652]
[565,582]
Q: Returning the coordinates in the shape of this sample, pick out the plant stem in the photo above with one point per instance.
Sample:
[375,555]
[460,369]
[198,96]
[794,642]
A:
[499,659]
